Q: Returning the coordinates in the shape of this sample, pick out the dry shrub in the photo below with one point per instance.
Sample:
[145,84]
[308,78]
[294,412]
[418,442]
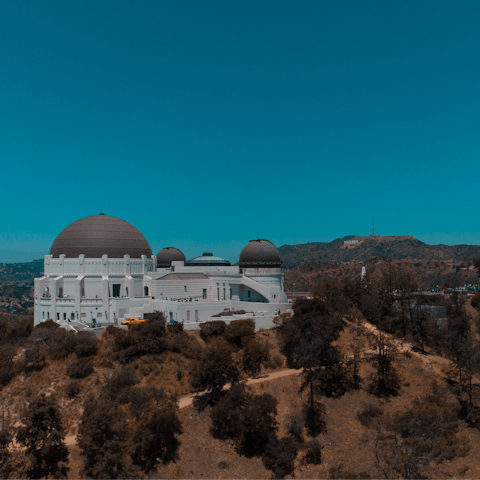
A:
[72,389]
[80,368]
[368,412]
[209,330]
[339,471]
[313,453]
[278,359]
[87,344]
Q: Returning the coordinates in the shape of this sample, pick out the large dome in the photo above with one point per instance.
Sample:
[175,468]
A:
[100,235]
[260,253]
[168,255]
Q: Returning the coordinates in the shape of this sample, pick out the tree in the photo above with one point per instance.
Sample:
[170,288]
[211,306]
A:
[333,295]
[43,438]
[103,441]
[306,341]
[254,353]
[384,382]
[357,344]
[215,369]
[247,419]
[279,456]
[238,332]
[467,364]
[157,427]
[215,328]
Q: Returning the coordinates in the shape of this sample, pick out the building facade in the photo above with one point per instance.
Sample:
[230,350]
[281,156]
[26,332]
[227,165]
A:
[101,270]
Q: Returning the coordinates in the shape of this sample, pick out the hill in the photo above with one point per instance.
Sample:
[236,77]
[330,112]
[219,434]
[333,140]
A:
[348,440]
[390,247]
[428,273]
[11,256]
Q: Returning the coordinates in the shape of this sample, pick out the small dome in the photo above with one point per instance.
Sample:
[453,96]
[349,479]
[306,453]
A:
[100,235]
[208,260]
[260,253]
[168,255]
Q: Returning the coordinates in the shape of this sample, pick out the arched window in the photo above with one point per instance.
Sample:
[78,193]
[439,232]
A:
[145,290]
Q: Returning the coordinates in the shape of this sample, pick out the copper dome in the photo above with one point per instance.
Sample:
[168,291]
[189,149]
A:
[168,255]
[259,253]
[100,235]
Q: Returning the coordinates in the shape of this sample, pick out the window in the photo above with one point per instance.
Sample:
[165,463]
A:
[185,287]
[58,316]
[224,294]
[230,294]
[204,293]
[248,293]
[196,315]
[218,294]
[72,316]
[116,290]
[60,292]
[145,290]
[126,290]
[43,316]
[188,315]
[64,315]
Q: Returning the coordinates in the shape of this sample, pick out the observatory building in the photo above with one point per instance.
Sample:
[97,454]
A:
[101,270]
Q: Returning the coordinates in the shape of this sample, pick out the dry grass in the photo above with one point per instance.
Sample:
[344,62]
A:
[201,456]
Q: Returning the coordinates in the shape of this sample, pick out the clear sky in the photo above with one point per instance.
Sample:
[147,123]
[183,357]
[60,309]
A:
[208,123]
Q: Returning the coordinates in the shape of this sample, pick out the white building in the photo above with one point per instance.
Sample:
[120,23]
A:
[101,269]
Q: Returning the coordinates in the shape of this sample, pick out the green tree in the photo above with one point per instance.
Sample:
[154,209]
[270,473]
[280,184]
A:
[103,441]
[247,419]
[238,332]
[306,341]
[254,353]
[385,381]
[155,433]
[215,369]
[43,437]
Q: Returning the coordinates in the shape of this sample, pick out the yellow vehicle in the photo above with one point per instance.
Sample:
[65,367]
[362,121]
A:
[133,321]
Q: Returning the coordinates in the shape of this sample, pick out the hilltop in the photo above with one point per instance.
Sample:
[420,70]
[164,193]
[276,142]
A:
[387,247]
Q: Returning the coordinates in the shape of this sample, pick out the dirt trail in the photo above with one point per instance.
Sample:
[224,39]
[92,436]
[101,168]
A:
[187,401]
[431,361]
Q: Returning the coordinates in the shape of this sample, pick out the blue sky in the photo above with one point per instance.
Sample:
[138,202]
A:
[206,124]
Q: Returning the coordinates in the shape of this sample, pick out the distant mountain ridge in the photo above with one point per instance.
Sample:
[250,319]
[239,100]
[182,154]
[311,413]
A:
[12,256]
[390,247]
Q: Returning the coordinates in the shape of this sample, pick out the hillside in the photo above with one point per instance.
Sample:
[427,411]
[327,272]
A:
[428,273]
[348,441]
[390,247]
